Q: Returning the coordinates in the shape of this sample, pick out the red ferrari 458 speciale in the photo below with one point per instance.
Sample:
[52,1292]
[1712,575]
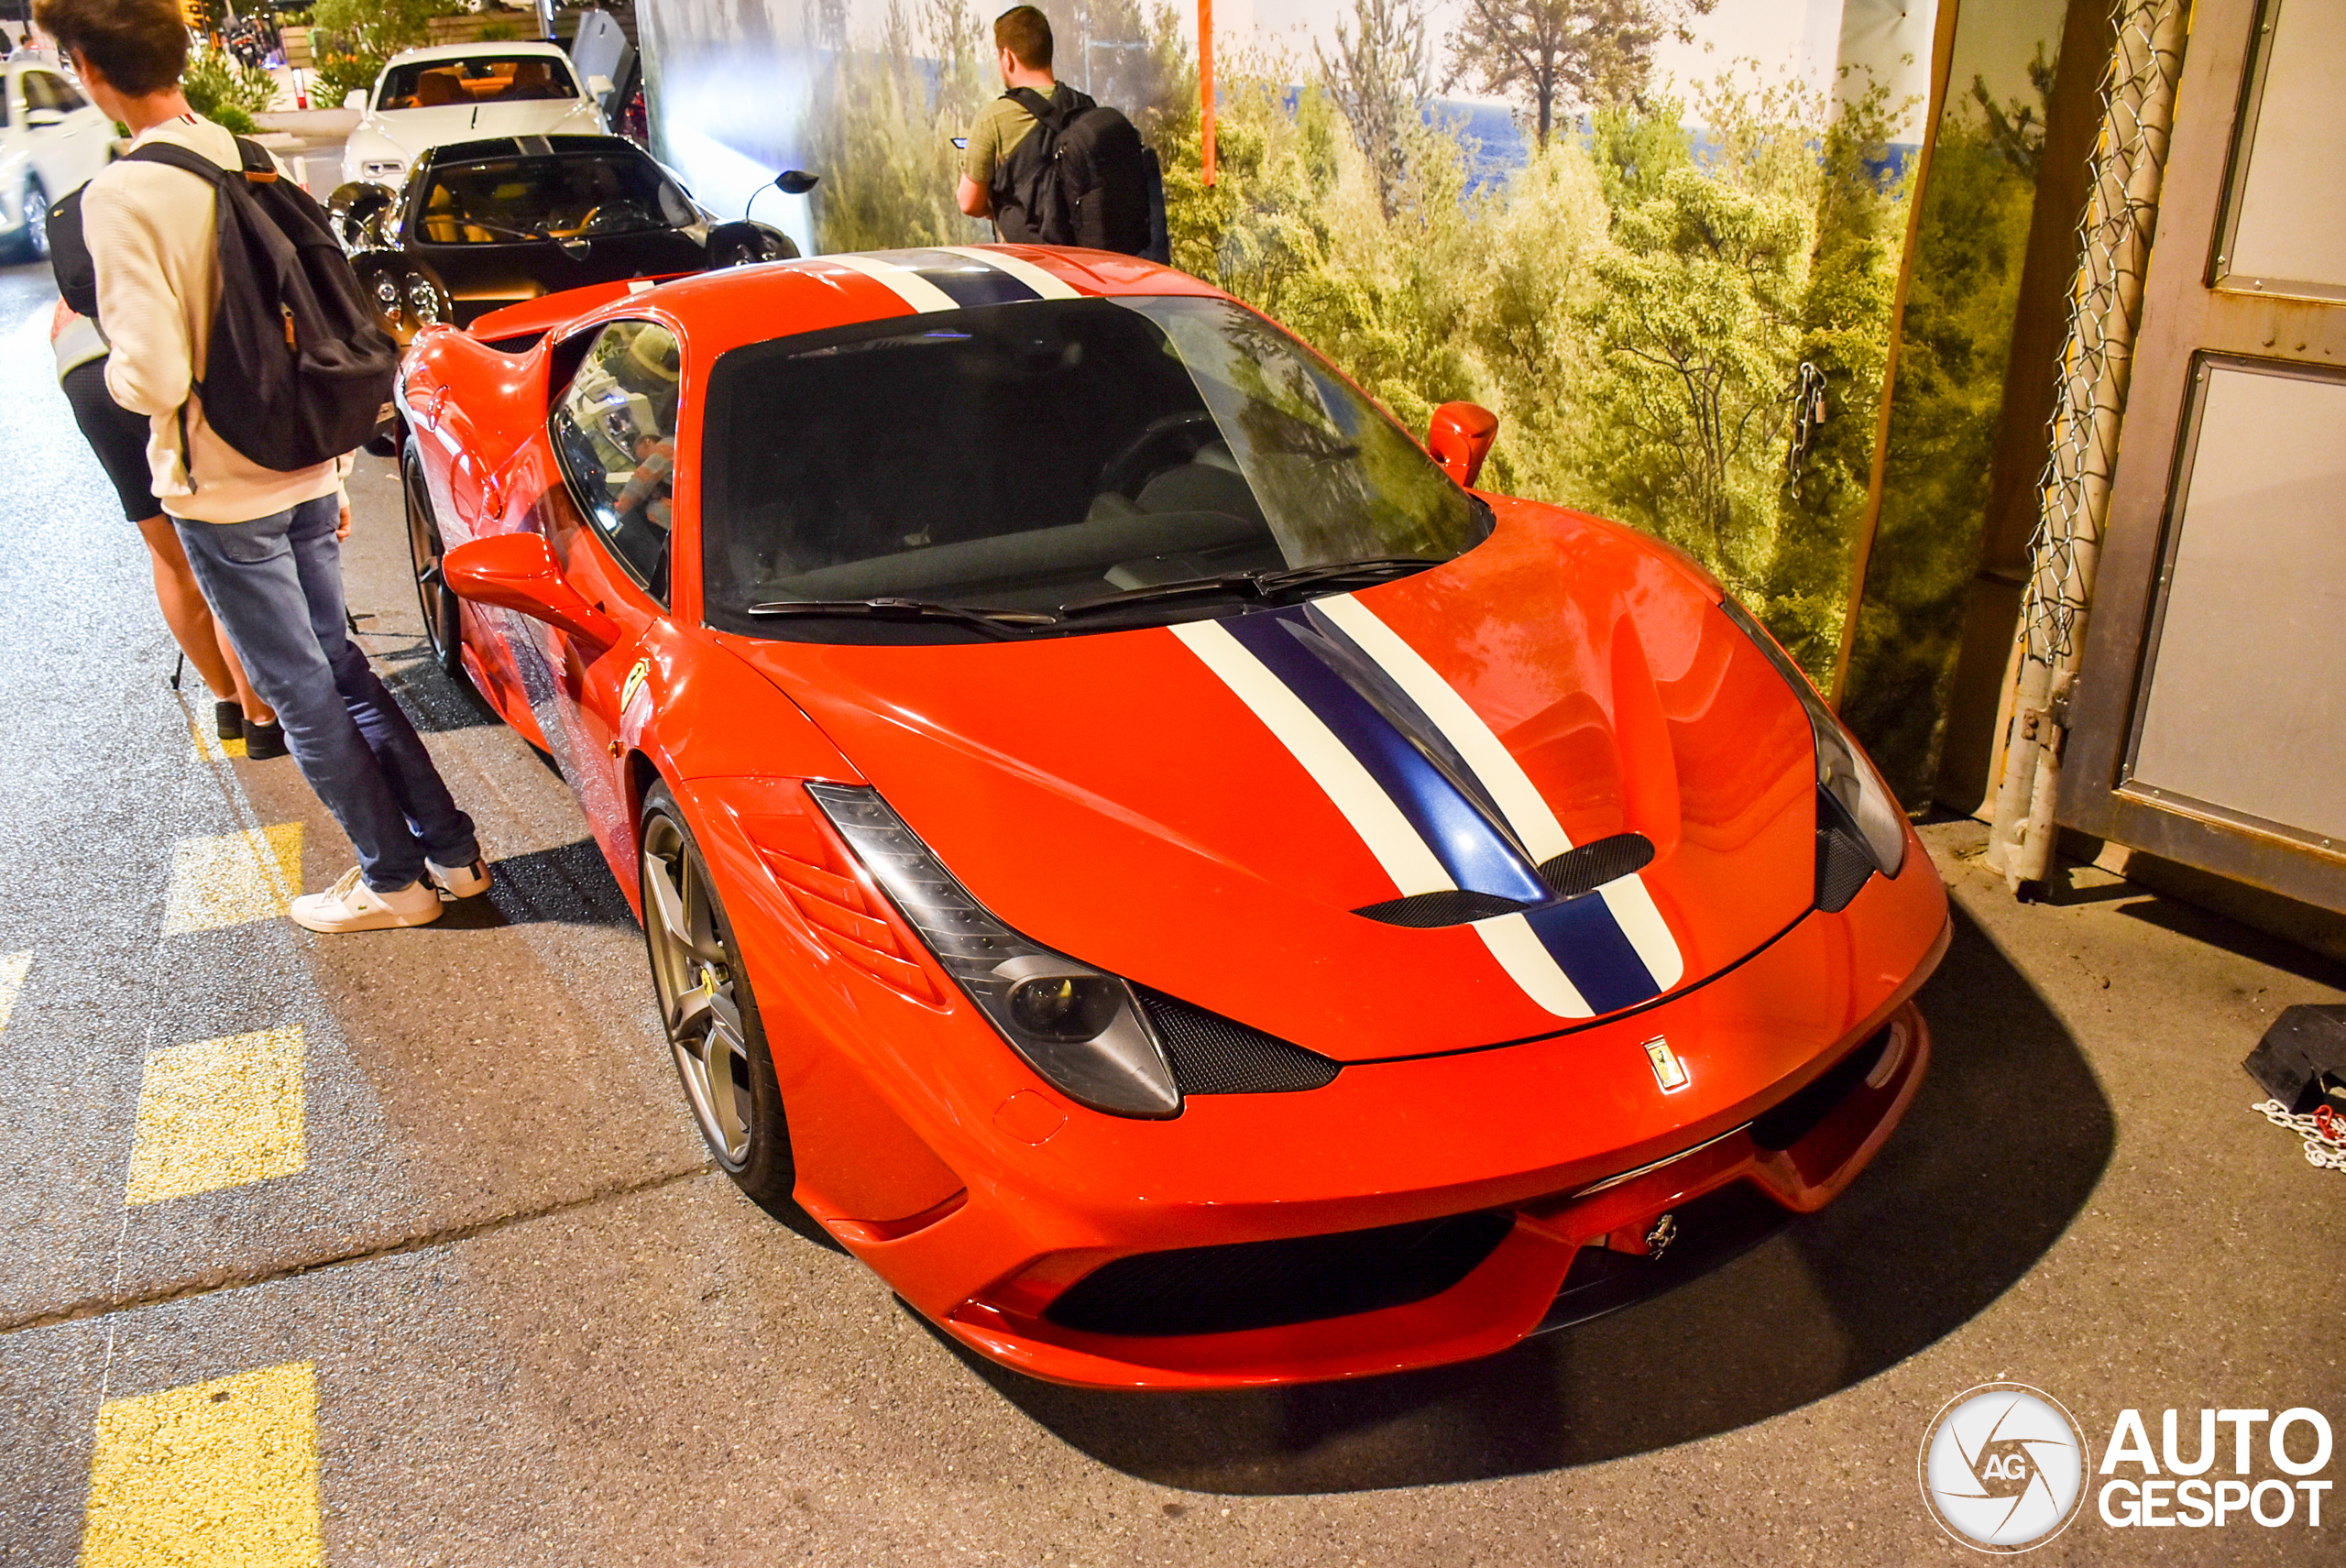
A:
[1182,885]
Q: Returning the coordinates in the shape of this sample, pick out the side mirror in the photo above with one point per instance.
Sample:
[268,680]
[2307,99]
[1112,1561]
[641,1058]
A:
[598,86]
[42,119]
[518,571]
[795,182]
[355,99]
[1461,438]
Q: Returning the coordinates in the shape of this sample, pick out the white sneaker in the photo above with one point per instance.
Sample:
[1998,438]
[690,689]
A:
[458,882]
[351,905]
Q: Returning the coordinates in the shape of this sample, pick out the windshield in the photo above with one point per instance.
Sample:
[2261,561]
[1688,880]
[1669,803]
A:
[1030,457]
[499,201]
[476,79]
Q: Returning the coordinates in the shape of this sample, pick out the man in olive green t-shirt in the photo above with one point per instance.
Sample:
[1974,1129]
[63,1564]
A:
[1023,40]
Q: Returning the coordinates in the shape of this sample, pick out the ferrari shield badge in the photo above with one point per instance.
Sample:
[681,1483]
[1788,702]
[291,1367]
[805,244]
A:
[634,683]
[1668,1071]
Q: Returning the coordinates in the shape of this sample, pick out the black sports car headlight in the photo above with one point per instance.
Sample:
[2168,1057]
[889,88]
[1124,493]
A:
[1859,829]
[1080,1028]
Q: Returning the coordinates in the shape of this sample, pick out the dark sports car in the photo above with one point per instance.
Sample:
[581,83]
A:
[478,225]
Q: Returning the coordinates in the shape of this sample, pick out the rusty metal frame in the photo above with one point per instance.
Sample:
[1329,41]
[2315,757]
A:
[2184,321]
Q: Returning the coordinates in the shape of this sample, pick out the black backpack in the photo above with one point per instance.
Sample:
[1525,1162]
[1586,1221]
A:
[1080,177]
[298,368]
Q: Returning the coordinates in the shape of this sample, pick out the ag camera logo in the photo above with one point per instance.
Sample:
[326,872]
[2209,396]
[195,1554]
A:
[2003,1468]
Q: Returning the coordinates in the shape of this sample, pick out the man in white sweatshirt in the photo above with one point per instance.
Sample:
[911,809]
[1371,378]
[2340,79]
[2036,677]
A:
[264,544]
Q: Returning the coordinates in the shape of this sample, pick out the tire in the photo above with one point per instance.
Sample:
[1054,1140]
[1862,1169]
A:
[33,243]
[715,1033]
[444,625]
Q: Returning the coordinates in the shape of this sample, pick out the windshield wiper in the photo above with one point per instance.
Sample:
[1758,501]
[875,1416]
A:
[1269,586]
[993,622]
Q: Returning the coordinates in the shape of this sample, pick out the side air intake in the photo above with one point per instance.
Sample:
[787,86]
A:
[1214,1054]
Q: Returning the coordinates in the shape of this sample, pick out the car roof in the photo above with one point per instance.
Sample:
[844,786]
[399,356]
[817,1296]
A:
[735,306]
[531,146]
[485,50]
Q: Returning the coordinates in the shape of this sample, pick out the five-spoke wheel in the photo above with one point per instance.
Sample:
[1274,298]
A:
[443,626]
[711,1016]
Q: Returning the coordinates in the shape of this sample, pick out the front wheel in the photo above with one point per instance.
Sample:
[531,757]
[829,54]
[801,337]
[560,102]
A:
[443,628]
[711,1016]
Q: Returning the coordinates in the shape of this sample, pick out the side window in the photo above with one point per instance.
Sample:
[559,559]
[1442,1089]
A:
[43,90]
[615,429]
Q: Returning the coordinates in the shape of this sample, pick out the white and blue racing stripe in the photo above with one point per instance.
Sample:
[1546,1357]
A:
[958,278]
[1454,787]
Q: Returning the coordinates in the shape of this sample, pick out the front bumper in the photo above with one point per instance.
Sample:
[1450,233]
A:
[983,1198]
[1514,1292]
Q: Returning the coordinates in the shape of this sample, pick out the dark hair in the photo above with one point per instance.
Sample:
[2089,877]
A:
[1025,33]
[138,46]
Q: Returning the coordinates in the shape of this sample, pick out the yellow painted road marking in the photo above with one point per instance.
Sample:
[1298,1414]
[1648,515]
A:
[231,879]
[211,748]
[219,1475]
[13,969]
[218,1114]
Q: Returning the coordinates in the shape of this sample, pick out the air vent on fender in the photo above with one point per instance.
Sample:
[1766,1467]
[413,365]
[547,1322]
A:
[836,908]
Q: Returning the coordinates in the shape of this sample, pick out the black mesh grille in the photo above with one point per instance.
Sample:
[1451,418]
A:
[1214,1054]
[1797,1117]
[1591,866]
[1261,1285]
[1843,862]
[1424,911]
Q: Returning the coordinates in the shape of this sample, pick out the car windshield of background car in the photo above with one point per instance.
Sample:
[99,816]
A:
[1029,456]
[476,79]
[506,201]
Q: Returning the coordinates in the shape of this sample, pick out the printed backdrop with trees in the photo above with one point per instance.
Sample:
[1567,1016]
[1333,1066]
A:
[1676,294]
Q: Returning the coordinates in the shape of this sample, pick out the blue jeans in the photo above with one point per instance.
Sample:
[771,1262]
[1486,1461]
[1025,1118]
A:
[276,584]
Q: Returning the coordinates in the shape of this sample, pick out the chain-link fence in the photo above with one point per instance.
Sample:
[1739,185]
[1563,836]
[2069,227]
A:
[2105,306]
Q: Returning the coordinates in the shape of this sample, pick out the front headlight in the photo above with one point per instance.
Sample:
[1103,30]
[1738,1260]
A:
[1080,1028]
[1853,805]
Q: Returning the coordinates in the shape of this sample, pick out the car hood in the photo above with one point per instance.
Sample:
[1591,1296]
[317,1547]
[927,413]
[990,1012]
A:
[410,131]
[1204,809]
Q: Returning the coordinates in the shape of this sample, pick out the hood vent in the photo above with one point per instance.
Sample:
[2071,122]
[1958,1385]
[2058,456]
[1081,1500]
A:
[1593,865]
[1568,875]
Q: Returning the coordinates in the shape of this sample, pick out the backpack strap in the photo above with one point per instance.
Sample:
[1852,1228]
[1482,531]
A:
[259,167]
[186,160]
[1055,111]
[1046,113]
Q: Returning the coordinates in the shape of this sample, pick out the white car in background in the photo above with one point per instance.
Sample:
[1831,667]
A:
[51,140]
[430,98]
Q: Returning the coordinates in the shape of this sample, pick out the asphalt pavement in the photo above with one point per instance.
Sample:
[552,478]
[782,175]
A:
[400,1248]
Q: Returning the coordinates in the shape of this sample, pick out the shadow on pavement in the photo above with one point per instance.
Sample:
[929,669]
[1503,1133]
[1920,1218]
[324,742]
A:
[2004,1144]
[435,704]
[568,885]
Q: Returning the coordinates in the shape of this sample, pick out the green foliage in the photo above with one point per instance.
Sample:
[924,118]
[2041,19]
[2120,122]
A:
[1638,320]
[1552,55]
[1952,352]
[883,121]
[351,38]
[220,88]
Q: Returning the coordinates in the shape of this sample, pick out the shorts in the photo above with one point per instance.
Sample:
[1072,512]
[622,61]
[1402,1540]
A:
[117,435]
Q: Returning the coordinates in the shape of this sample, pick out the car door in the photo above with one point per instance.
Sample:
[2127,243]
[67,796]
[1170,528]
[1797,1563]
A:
[67,136]
[612,431]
